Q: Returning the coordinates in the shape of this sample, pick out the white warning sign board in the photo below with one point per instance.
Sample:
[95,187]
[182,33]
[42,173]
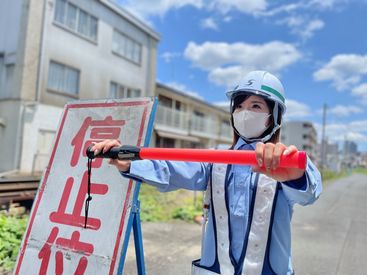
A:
[56,241]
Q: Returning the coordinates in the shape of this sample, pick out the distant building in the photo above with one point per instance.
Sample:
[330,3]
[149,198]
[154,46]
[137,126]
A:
[350,148]
[333,158]
[188,122]
[302,134]
[56,51]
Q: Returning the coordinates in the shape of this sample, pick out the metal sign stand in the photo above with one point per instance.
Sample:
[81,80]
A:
[138,239]
[134,222]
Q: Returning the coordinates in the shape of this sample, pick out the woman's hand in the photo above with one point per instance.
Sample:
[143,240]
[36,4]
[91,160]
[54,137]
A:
[268,157]
[106,145]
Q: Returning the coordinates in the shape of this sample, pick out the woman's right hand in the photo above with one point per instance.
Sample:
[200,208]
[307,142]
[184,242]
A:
[106,145]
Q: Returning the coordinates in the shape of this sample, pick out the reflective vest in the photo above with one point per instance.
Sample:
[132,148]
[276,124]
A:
[256,246]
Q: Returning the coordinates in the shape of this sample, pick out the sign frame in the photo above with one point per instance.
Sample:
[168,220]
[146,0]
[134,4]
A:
[133,219]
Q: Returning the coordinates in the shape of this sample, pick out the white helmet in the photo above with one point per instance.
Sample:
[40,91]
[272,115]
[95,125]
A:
[264,84]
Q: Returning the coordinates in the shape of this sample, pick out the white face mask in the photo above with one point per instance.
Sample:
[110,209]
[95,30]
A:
[250,124]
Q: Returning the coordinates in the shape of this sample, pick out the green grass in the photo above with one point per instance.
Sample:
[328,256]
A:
[328,175]
[11,232]
[156,206]
[360,171]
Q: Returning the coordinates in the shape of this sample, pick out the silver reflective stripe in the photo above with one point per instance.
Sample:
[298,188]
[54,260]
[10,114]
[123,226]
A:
[196,270]
[204,220]
[259,232]
[221,218]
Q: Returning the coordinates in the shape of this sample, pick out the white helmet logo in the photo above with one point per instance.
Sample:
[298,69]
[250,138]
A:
[250,82]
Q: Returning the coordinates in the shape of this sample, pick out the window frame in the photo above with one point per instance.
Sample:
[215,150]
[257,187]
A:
[63,92]
[124,54]
[89,34]
[126,90]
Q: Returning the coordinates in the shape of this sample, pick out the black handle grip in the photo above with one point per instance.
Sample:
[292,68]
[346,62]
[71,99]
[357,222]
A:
[125,152]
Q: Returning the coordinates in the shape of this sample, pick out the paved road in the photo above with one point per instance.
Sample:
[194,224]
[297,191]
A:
[329,237]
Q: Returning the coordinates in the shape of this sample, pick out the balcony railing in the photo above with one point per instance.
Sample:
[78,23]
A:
[176,121]
[202,126]
[171,118]
[226,132]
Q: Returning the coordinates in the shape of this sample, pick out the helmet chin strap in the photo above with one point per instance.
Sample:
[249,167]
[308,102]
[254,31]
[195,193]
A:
[267,137]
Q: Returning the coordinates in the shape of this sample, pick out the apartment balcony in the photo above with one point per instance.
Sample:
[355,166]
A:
[168,119]
[226,133]
[204,127]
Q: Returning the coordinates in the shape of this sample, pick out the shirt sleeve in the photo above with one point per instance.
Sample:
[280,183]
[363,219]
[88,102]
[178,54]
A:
[305,190]
[170,175]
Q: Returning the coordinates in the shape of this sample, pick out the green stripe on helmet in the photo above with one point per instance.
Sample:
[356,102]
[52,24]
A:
[274,92]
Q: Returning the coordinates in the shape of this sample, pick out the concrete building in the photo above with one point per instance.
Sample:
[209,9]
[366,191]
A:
[188,122]
[56,51]
[350,148]
[303,135]
[333,159]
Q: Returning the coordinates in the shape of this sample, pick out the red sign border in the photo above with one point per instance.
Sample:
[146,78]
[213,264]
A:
[48,169]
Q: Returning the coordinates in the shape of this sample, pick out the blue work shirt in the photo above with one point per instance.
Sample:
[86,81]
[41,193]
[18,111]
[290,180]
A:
[173,175]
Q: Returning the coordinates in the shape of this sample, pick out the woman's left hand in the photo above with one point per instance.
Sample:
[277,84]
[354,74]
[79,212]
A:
[268,157]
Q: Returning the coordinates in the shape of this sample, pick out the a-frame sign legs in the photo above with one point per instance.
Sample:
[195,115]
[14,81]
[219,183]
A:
[138,240]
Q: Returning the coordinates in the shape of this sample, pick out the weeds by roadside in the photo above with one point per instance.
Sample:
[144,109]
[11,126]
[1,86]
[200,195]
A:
[11,232]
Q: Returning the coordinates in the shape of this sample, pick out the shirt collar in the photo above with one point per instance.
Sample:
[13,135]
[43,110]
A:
[242,144]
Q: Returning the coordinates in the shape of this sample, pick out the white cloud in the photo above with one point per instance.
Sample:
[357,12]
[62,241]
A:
[168,56]
[182,88]
[146,8]
[302,26]
[361,91]
[311,27]
[358,125]
[209,23]
[248,6]
[282,9]
[339,132]
[355,136]
[296,109]
[345,110]
[227,19]
[228,76]
[222,104]
[343,70]
[226,63]
[301,7]
[323,4]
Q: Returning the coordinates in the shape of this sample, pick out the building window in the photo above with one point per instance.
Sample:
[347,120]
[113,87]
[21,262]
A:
[126,47]
[76,19]
[199,114]
[120,91]
[165,142]
[63,78]
[165,101]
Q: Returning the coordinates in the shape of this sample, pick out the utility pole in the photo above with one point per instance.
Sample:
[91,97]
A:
[323,145]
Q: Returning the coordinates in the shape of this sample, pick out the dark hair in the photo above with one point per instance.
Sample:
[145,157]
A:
[275,137]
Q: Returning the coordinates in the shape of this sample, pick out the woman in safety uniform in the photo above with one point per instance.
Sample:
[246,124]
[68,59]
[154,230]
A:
[248,209]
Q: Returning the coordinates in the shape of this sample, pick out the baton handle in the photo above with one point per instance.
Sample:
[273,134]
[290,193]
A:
[295,160]
[125,152]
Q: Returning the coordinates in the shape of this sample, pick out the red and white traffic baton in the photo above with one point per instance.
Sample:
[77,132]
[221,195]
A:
[295,160]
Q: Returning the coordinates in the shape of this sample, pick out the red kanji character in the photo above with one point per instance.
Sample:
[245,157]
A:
[103,129]
[75,218]
[73,244]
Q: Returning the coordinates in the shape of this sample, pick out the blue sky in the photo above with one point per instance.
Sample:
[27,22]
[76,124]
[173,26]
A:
[318,48]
